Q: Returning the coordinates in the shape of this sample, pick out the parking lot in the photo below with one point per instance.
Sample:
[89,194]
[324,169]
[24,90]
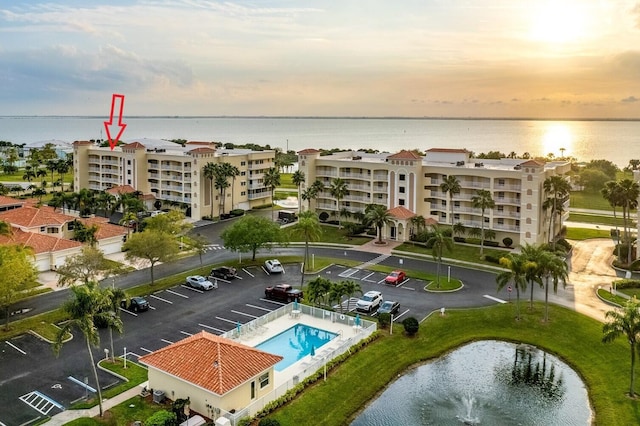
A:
[43,384]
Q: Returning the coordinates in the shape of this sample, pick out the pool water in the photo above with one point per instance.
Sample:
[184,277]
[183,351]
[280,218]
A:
[295,343]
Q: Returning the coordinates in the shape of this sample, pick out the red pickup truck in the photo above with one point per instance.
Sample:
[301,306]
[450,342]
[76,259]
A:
[283,293]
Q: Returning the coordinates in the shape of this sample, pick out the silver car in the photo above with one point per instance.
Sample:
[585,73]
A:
[273,266]
[369,302]
[199,282]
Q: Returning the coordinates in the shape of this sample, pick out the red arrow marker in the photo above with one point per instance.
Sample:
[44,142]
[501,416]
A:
[119,127]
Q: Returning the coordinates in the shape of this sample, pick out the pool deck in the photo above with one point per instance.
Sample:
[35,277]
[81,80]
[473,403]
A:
[277,326]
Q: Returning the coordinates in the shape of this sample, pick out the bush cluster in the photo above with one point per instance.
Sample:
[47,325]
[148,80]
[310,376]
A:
[626,283]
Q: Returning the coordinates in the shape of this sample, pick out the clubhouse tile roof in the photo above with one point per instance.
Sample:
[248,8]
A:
[40,243]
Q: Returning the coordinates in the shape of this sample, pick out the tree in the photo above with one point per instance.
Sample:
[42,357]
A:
[378,216]
[533,254]
[611,193]
[350,288]
[297,179]
[450,185]
[553,268]
[483,201]
[517,268]
[317,290]
[209,171]
[625,323]
[6,229]
[151,245]
[272,180]
[29,174]
[130,220]
[232,172]
[88,305]
[312,192]
[199,244]
[629,193]
[338,190]
[418,223]
[459,228]
[171,223]
[16,274]
[84,233]
[439,243]
[250,233]
[336,292]
[557,189]
[592,179]
[89,265]
[308,227]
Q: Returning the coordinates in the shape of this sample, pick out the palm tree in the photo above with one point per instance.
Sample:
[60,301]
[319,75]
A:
[5,229]
[338,190]
[611,193]
[308,227]
[89,304]
[350,288]
[336,292]
[378,216]
[625,323]
[533,254]
[114,295]
[439,243]
[209,171]
[318,289]
[221,183]
[272,180]
[418,224]
[558,188]
[483,201]
[29,174]
[450,185]
[41,173]
[555,268]
[298,179]
[629,192]
[459,228]
[233,172]
[517,268]
[129,219]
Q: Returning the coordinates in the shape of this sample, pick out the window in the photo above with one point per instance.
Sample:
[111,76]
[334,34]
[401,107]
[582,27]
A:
[528,206]
[500,209]
[379,196]
[443,203]
[243,193]
[402,177]
[128,162]
[456,204]
[486,220]
[243,183]
[529,192]
[529,178]
[70,226]
[401,189]
[243,173]
[243,163]
[456,216]
[52,230]
[501,195]
[128,172]
[528,221]
[264,380]
[401,202]
[43,228]
[500,221]
[501,182]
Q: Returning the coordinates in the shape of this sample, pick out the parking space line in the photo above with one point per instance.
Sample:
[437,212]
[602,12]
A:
[396,318]
[259,307]
[273,301]
[186,333]
[135,354]
[82,384]
[494,299]
[403,282]
[365,278]
[348,273]
[16,348]
[169,342]
[2,424]
[212,328]
[144,349]
[177,294]
[248,273]
[161,299]
[40,399]
[265,271]
[191,288]
[129,312]
[381,281]
[220,279]
[227,320]
[242,313]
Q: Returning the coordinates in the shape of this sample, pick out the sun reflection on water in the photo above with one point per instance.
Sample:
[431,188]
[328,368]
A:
[557,140]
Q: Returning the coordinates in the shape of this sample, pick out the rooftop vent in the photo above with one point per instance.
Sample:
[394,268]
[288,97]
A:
[479,164]
[459,163]
[517,167]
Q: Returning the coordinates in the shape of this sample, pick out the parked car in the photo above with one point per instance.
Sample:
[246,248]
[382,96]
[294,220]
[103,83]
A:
[389,307]
[369,302]
[396,277]
[136,304]
[273,266]
[199,282]
[224,272]
[283,293]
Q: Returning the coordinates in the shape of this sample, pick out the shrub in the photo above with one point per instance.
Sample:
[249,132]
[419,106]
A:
[384,320]
[161,418]
[492,259]
[564,244]
[236,212]
[507,241]
[491,243]
[460,239]
[626,283]
[269,422]
[245,421]
[411,326]
[323,216]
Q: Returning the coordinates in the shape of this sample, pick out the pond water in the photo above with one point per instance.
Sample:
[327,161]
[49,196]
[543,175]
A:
[484,383]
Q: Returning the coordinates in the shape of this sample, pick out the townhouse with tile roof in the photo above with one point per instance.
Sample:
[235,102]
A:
[215,373]
[48,232]
[173,173]
[412,182]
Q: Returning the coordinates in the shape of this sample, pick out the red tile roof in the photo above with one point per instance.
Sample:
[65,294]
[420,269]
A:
[133,145]
[40,243]
[533,163]
[202,150]
[405,155]
[400,212]
[10,201]
[121,189]
[29,216]
[308,151]
[82,143]
[450,150]
[211,362]
[201,143]
[105,229]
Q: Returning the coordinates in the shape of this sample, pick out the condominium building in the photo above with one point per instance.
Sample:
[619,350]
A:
[174,173]
[408,184]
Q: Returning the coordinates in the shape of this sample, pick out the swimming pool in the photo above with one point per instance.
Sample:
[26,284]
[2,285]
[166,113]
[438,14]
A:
[295,343]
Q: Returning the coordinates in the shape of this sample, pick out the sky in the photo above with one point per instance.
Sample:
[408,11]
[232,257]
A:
[380,58]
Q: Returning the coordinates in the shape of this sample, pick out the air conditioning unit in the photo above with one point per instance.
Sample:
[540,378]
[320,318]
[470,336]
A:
[158,396]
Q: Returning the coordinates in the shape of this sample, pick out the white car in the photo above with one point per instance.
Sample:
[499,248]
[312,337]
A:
[199,282]
[369,302]
[273,266]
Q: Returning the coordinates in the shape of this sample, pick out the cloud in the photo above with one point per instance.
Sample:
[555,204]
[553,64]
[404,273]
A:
[636,11]
[630,99]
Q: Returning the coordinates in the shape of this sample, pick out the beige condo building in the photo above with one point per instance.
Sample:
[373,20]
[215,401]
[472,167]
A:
[173,173]
[409,184]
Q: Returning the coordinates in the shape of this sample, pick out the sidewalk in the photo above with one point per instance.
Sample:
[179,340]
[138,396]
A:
[68,415]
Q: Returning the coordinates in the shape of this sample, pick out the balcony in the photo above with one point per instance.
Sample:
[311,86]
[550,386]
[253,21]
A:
[349,175]
[381,176]
[326,173]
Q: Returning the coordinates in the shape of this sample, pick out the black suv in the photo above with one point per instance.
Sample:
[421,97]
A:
[136,304]
[224,272]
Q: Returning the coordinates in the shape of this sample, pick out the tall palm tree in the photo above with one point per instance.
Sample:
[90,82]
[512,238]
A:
[338,190]
[629,192]
[439,243]
[272,180]
[459,229]
[209,171]
[558,189]
[114,296]
[611,193]
[450,185]
[308,227]
[378,216]
[89,304]
[221,183]
[517,267]
[483,201]
[29,174]
[318,289]
[336,292]
[350,288]
[625,323]
[233,172]
[298,178]
[418,224]
[555,268]
[534,255]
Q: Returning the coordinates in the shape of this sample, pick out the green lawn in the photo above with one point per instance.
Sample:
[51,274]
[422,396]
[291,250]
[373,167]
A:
[462,252]
[330,234]
[586,233]
[595,219]
[353,384]
[286,181]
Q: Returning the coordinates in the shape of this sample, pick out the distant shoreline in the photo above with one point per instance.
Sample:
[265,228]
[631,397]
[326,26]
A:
[285,117]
